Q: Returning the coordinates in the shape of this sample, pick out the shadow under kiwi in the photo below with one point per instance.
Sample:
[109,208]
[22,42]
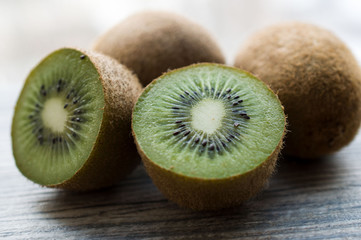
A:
[306,173]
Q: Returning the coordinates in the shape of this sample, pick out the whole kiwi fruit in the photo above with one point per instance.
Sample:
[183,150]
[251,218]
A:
[152,42]
[71,126]
[317,79]
[209,135]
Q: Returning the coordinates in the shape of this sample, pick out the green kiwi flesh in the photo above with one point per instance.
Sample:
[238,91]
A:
[152,42]
[62,120]
[209,135]
[317,79]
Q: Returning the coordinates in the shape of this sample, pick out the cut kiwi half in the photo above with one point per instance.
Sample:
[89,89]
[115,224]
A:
[209,135]
[71,123]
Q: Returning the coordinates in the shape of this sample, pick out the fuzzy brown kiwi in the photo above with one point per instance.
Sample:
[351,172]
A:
[317,79]
[97,95]
[152,42]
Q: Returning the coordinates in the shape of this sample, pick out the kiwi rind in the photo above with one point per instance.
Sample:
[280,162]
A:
[113,154]
[205,194]
[318,81]
[202,194]
[152,42]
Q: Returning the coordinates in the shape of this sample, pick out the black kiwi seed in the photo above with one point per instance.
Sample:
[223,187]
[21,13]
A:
[187,132]
[58,86]
[235,103]
[31,116]
[204,143]
[236,97]
[181,96]
[236,124]
[43,92]
[211,147]
[40,139]
[175,108]
[239,101]
[178,121]
[66,105]
[78,111]
[176,133]
[229,90]
[244,115]
[82,56]
[197,140]
[75,101]
[68,96]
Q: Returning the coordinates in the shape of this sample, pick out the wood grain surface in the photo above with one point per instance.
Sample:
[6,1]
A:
[318,199]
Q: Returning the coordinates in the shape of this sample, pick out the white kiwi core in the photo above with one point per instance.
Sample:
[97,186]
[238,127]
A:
[54,116]
[207,115]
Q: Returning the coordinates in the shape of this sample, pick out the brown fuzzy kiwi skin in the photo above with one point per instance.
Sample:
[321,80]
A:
[114,154]
[152,42]
[210,194]
[317,79]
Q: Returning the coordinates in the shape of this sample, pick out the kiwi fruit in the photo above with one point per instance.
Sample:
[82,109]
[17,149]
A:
[152,42]
[209,135]
[317,79]
[71,126]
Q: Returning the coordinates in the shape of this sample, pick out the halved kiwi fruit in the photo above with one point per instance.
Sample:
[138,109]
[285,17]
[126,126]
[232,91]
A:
[317,79]
[71,126]
[209,135]
[152,42]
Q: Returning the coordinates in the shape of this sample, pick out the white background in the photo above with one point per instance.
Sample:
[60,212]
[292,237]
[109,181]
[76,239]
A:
[29,30]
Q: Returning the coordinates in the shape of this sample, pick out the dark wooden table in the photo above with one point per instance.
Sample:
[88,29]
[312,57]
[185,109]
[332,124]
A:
[319,199]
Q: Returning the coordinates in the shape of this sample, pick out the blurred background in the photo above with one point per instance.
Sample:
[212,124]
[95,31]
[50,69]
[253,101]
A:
[29,30]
